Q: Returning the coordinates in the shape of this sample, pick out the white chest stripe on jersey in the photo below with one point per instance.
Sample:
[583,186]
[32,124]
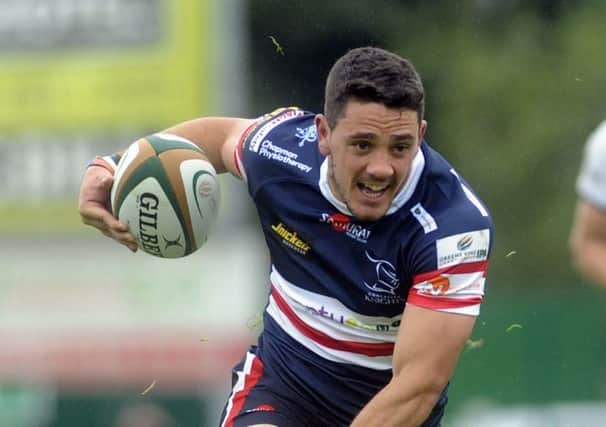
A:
[331,317]
[334,355]
[330,329]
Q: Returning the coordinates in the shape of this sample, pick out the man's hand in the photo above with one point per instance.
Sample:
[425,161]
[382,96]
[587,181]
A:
[94,207]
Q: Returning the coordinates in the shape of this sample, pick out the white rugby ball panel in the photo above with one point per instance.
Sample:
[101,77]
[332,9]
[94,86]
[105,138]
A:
[136,154]
[176,138]
[203,196]
[171,161]
[122,166]
[153,221]
[152,171]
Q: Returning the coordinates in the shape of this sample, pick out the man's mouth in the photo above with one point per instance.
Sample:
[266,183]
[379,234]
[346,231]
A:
[373,190]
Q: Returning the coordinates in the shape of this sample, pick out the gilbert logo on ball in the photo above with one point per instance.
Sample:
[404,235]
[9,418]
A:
[168,194]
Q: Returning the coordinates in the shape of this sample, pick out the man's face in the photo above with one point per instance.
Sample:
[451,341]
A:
[371,151]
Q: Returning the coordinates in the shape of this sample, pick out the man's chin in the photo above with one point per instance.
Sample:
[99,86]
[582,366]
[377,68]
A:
[368,214]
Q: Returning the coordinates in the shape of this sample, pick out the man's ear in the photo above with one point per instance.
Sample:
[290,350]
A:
[422,130]
[323,134]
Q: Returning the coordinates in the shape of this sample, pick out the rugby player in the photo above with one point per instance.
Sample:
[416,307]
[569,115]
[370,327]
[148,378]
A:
[379,250]
[588,233]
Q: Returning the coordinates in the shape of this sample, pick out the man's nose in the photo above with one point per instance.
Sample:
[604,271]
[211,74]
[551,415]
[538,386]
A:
[379,165]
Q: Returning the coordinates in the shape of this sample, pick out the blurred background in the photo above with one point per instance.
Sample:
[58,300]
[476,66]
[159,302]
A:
[91,334]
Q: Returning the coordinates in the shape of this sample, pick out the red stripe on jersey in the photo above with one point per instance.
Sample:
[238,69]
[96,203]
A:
[368,349]
[250,380]
[236,162]
[464,268]
[441,303]
[238,149]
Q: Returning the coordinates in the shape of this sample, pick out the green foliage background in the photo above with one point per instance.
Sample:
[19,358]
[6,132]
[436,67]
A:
[513,91]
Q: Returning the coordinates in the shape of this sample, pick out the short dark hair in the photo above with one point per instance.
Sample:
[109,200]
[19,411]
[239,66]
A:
[371,74]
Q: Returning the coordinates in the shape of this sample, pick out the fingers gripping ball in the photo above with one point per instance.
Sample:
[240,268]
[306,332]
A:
[167,193]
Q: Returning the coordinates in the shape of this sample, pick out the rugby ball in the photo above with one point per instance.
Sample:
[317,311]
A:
[167,193]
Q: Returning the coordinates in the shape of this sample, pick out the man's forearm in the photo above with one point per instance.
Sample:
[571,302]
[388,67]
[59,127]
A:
[395,407]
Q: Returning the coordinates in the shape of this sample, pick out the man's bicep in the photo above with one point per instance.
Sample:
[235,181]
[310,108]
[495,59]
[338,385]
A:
[217,136]
[430,342]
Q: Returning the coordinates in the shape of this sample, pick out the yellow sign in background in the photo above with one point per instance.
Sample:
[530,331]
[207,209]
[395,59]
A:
[80,80]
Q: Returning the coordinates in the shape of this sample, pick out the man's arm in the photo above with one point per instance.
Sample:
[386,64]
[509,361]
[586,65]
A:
[427,349]
[217,136]
[588,242]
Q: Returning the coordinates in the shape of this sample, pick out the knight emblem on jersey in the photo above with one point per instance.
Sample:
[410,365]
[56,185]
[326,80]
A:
[387,279]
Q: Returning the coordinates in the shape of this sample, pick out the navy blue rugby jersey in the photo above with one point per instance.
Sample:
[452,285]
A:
[339,285]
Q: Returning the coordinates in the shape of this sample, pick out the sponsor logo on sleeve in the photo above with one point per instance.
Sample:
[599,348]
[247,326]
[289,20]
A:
[464,285]
[464,247]
[425,219]
[264,130]
[264,407]
[436,286]
[278,154]
[465,242]
[308,134]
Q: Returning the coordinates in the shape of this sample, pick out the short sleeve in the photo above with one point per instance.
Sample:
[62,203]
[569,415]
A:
[453,273]
[591,182]
[258,150]
[448,263]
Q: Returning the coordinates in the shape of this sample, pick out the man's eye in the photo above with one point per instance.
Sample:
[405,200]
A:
[362,145]
[400,148]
